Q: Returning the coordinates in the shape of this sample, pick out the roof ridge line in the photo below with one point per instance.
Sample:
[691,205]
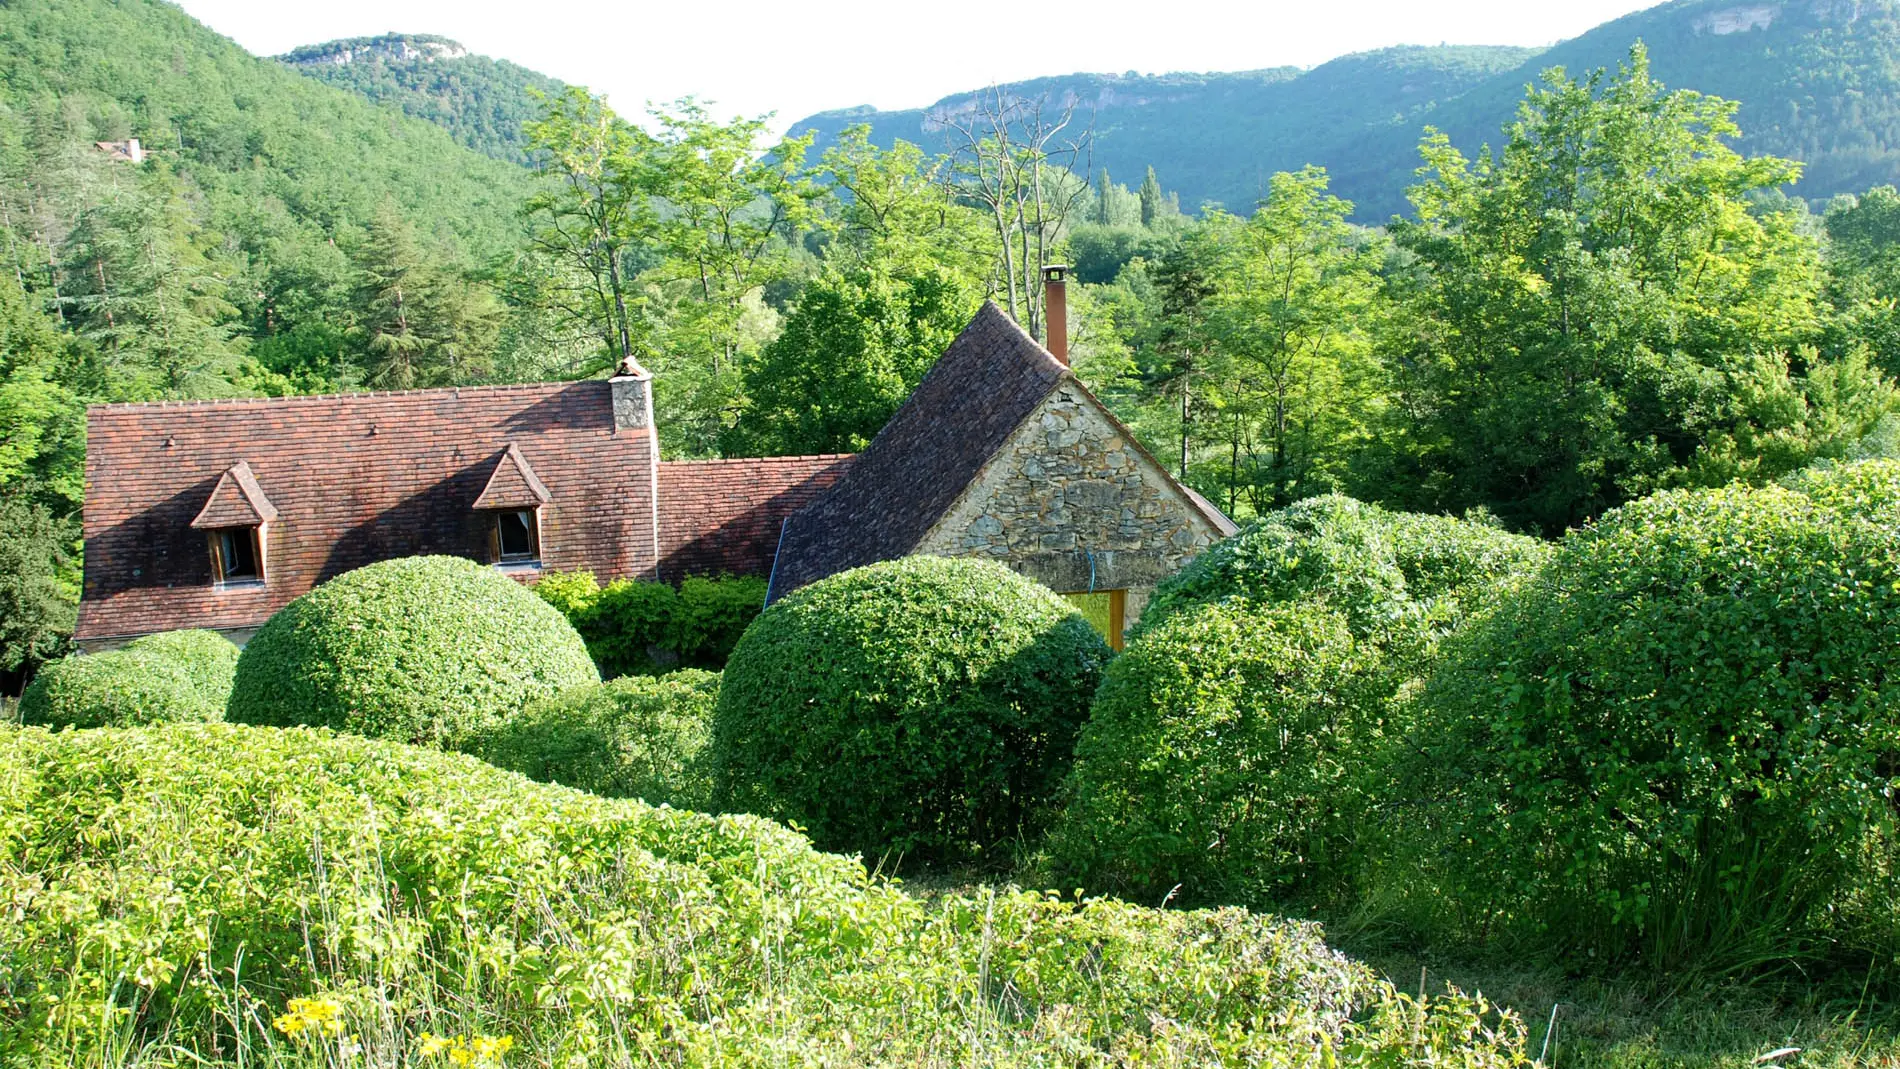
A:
[206,402]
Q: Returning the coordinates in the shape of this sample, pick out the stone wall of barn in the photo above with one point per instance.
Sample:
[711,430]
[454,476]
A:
[1070,501]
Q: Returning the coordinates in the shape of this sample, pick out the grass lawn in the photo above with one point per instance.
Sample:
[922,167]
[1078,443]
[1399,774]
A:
[1638,1022]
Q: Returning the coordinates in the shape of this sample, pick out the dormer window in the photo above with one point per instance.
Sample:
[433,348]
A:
[513,499]
[516,536]
[236,522]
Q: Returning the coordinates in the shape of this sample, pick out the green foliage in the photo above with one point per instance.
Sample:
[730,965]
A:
[118,689]
[207,658]
[36,600]
[1646,331]
[633,627]
[419,649]
[482,102]
[852,350]
[1401,580]
[923,707]
[227,870]
[1223,761]
[1674,742]
[637,737]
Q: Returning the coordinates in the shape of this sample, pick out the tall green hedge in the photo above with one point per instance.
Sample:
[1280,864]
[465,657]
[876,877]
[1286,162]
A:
[922,707]
[639,737]
[421,649]
[1223,762]
[1677,741]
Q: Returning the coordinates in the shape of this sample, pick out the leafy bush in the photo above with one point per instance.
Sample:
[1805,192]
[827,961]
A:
[207,657]
[923,706]
[642,628]
[1401,579]
[1217,762]
[639,737]
[403,892]
[421,649]
[116,689]
[1675,742]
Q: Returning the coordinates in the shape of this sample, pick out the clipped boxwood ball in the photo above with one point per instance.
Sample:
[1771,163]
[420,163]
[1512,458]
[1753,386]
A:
[1218,763]
[421,649]
[1401,579]
[122,688]
[1676,740]
[923,707]
[207,657]
[635,737]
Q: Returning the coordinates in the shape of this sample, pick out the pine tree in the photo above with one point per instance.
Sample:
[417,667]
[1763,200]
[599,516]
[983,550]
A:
[394,278]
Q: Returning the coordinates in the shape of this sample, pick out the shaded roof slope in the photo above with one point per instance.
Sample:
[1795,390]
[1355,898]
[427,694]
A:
[723,517]
[982,388]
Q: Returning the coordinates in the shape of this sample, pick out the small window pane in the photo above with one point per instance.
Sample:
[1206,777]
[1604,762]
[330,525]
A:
[517,535]
[238,549]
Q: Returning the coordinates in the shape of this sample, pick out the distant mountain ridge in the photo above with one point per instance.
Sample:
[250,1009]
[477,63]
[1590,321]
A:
[1818,80]
[483,102]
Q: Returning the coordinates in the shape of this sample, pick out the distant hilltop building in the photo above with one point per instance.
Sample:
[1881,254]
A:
[215,514]
[390,47]
[127,151]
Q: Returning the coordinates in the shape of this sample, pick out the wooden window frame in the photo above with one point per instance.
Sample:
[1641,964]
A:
[503,560]
[215,540]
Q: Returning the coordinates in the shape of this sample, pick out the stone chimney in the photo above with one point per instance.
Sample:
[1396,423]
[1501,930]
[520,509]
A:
[1055,296]
[633,396]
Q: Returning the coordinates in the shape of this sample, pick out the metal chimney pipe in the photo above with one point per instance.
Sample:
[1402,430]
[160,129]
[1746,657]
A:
[1055,292]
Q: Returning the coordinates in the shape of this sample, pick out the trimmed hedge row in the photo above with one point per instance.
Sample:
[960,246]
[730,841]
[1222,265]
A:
[422,649]
[226,871]
[922,707]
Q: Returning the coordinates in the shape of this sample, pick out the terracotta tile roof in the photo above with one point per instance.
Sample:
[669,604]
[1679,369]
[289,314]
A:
[982,388]
[724,516]
[355,478]
[514,484]
[237,501]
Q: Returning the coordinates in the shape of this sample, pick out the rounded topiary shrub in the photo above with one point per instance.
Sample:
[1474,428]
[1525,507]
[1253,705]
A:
[1401,580]
[117,689]
[923,707]
[207,657]
[638,737]
[422,649]
[1218,763]
[1676,741]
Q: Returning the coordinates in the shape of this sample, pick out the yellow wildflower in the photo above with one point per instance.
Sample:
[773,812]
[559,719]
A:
[316,1015]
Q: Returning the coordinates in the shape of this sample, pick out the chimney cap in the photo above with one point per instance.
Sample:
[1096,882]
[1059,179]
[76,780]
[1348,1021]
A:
[629,367]
[1055,272]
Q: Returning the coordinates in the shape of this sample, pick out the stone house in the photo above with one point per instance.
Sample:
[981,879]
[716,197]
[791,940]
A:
[215,514]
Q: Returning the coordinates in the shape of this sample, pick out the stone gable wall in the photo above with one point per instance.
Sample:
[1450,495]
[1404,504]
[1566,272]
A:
[1071,502]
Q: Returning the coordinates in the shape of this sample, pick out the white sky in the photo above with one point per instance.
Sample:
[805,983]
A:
[750,57]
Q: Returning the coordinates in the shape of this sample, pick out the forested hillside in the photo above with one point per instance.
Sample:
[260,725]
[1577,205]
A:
[483,102]
[1219,137]
[1818,80]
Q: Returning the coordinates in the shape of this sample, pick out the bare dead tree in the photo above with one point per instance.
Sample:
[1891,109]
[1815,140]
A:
[1024,162]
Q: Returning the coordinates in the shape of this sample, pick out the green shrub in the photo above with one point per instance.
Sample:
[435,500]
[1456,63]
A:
[925,707]
[1402,580]
[422,649]
[223,871]
[643,628]
[1675,742]
[207,657]
[639,737]
[116,689]
[1218,761]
